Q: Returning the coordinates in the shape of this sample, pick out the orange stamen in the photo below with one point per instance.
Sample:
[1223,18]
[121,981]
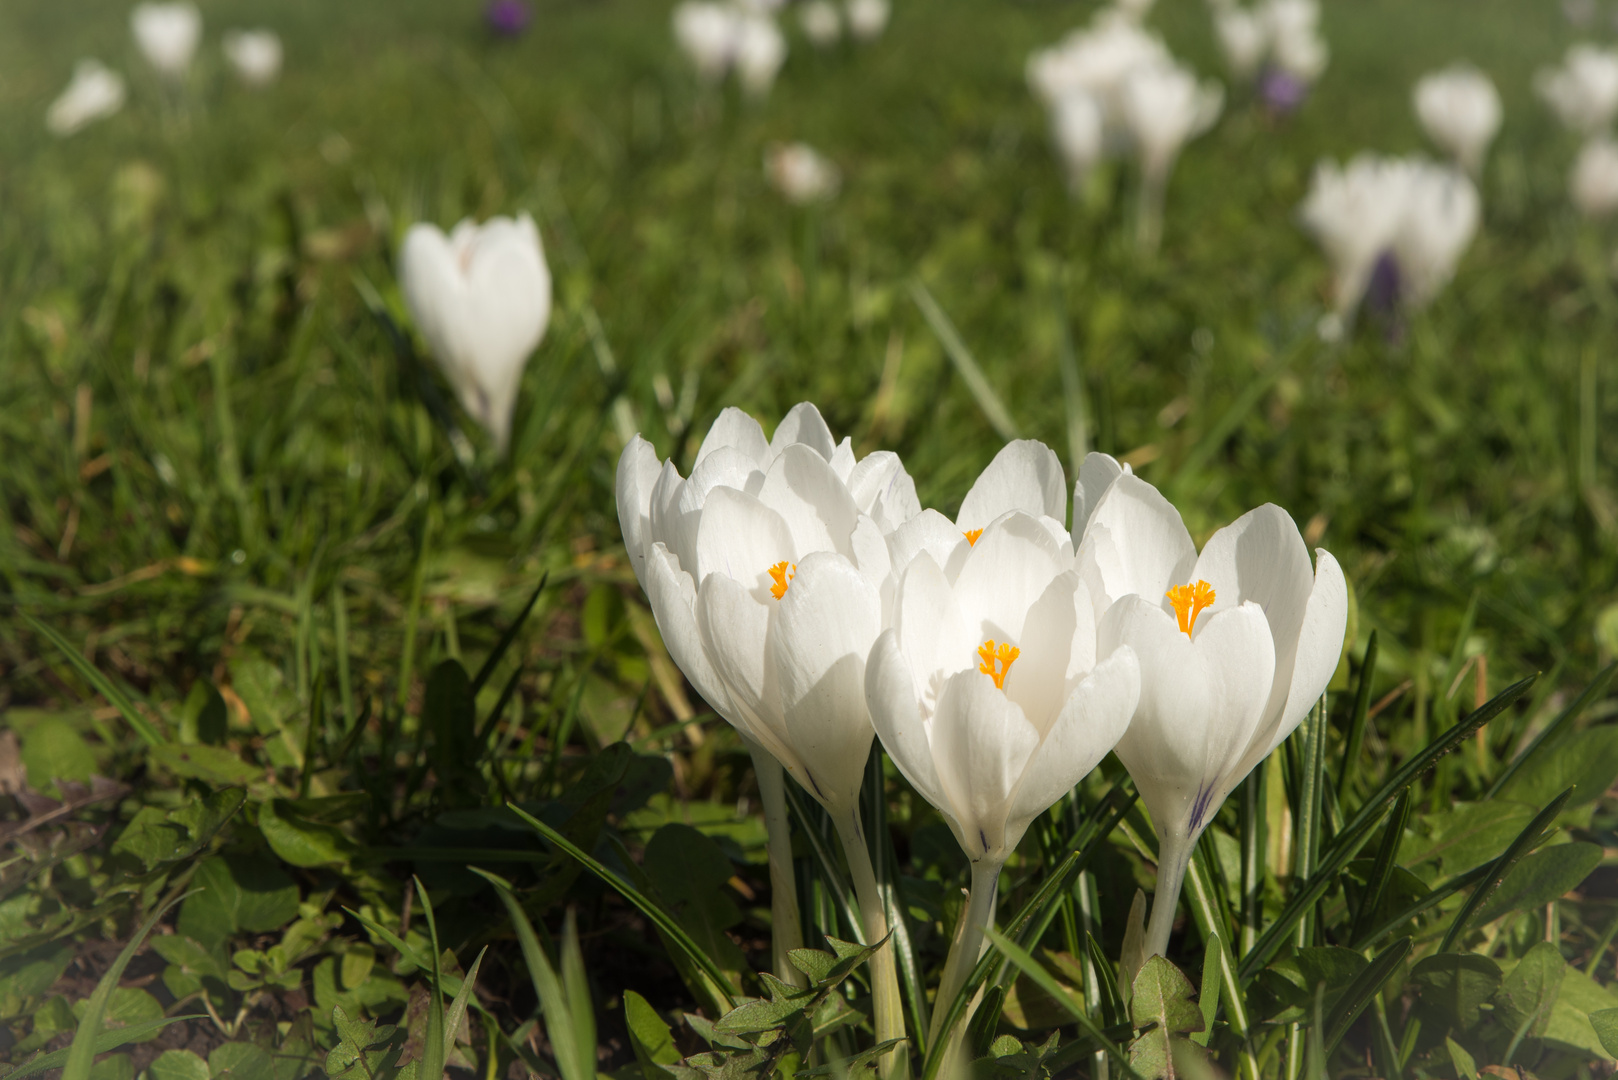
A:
[782,572]
[1188,601]
[1004,653]
[972,536]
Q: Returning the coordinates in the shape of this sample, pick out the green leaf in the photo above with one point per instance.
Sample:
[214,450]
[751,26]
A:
[1527,840]
[690,874]
[450,713]
[104,1042]
[361,1047]
[1592,692]
[241,1061]
[1586,761]
[29,974]
[126,1007]
[212,764]
[1464,1065]
[178,1065]
[236,894]
[262,688]
[54,751]
[649,1036]
[1294,979]
[1161,997]
[1358,994]
[1541,877]
[155,837]
[1605,1023]
[1527,995]
[105,686]
[1457,985]
[1469,834]
[301,842]
[1570,1027]
[203,718]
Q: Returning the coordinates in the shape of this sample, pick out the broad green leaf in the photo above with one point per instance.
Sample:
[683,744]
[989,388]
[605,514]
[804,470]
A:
[649,1036]
[1605,1023]
[203,718]
[156,837]
[213,764]
[1465,1066]
[1586,761]
[1456,985]
[1293,979]
[1208,994]
[113,1067]
[1161,997]
[241,1061]
[1539,878]
[690,875]
[450,714]
[178,1065]
[1468,835]
[29,974]
[358,961]
[301,842]
[1528,993]
[262,688]
[1359,993]
[54,751]
[236,894]
[126,1007]
[1570,1026]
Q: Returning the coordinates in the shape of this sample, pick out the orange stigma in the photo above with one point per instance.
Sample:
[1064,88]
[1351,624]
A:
[972,536]
[991,653]
[782,572]
[1188,601]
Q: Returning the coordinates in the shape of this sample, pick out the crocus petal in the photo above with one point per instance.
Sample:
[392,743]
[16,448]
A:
[870,549]
[1025,475]
[735,630]
[881,488]
[1037,681]
[1238,654]
[842,459]
[1096,476]
[740,538]
[664,513]
[673,596]
[804,426]
[981,745]
[1134,542]
[898,717]
[931,632]
[1091,722]
[927,531]
[1166,741]
[1004,573]
[816,506]
[638,470]
[735,428]
[824,628]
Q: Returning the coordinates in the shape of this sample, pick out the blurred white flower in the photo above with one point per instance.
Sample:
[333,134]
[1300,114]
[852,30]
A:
[1594,181]
[1296,46]
[868,18]
[94,92]
[168,34]
[706,33]
[481,298]
[822,23]
[1163,107]
[1244,38]
[1355,214]
[1095,60]
[1077,129]
[761,49]
[1583,91]
[1460,110]
[1133,10]
[255,54]
[801,173]
[1441,216]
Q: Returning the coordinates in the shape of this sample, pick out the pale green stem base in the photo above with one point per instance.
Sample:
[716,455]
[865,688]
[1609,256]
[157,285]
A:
[885,1001]
[1149,214]
[968,946]
[786,932]
[1173,857]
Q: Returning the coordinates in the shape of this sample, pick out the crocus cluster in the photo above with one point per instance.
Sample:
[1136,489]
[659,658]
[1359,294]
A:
[1583,93]
[167,34]
[998,655]
[720,37]
[1276,45]
[801,173]
[1405,218]
[823,20]
[1113,88]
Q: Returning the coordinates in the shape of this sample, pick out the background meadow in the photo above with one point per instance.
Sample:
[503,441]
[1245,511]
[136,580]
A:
[261,577]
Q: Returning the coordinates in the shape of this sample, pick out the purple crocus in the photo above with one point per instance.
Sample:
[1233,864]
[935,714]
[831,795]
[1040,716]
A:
[1281,91]
[507,18]
[1382,298]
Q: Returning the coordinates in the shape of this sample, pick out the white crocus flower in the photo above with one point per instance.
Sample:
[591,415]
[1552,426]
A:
[801,173]
[1096,60]
[168,35]
[761,49]
[1163,106]
[706,33]
[1234,646]
[1442,211]
[822,23]
[1355,214]
[481,298]
[867,19]
[1593,184]
[764,570]
[1583,92]
[1244,38]
[1079,132]
[95,92]
[1459,109]
[255,54]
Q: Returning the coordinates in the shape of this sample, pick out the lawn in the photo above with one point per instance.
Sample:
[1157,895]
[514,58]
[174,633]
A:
[279,629]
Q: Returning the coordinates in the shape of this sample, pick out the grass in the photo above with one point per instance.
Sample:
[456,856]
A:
[219,469]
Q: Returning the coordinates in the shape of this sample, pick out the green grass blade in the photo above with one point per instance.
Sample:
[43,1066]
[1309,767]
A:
[1598,687]
[994,410]
[432,1051]
[1309,809]
[576,987]
[105,1041]
[885,861]
[1360,992]
[457,1007]
[1208,992]
[647,907]
[1387,858]
[506,638]
[831,873]
[82,1053]
[1042,979]
[93,675]
[1438,895]
[1526,841]
[1358,719]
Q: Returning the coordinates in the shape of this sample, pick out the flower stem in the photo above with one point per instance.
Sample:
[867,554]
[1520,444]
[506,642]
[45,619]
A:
[885,1001]
[968,946]
[786,930]
[1173,856]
